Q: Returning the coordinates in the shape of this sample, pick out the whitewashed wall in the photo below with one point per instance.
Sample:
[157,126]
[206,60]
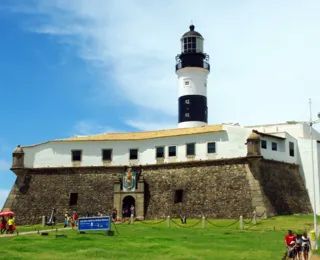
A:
[306,168]
[56,154]
[296,130]
[282,153]
[229,144]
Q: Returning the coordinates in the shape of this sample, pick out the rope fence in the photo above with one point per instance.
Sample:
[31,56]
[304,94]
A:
[252,222]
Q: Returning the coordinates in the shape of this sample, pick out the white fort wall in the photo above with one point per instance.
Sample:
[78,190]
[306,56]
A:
[56,154]
[305,158]
[230,143]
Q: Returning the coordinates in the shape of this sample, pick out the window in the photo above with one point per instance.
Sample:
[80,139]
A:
[187,115]
[205,85]
[192,44]
[160,152]
[172,151]
[274,146]
[186,83]
[291,148]
[73,199]
[76,155]
[106,154]
[212,147]
[187,101]
[189,44]
[263,144]
[178,196]
[191,149]
[133,154]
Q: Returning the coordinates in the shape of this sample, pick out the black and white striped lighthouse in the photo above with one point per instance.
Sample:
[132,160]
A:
[192,69]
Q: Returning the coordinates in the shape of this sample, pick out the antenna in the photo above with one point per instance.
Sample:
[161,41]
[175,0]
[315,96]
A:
[191,22]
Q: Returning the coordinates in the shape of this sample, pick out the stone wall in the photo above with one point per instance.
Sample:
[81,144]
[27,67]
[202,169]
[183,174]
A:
[48,188]
[217,188]
[284,187]
[214,189]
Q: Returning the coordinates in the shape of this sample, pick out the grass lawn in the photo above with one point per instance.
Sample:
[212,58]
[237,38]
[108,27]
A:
[157,242]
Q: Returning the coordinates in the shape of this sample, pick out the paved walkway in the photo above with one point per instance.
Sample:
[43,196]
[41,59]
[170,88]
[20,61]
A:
[34,232]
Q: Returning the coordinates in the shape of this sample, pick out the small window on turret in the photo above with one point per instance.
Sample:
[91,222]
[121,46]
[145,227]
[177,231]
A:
[186,83]
[187,101]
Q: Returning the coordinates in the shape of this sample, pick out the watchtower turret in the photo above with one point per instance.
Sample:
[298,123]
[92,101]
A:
[18,158]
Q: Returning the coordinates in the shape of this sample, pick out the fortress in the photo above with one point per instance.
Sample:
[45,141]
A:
[219,171]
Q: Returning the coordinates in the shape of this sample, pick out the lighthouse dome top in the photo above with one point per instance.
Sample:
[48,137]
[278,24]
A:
[192,32]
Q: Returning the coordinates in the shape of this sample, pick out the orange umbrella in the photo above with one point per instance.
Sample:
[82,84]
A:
[6,213]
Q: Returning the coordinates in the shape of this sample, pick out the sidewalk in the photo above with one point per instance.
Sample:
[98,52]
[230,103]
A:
[34,232]
[315,257]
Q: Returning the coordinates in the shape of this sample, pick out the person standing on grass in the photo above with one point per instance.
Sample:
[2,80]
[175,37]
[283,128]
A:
[3,225]
[292,250]
[288,239]
[298,248]
[306,245]
[10,224]
[75,218]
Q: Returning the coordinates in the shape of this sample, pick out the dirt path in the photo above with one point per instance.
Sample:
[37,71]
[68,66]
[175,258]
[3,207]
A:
[315,257]
[34,232]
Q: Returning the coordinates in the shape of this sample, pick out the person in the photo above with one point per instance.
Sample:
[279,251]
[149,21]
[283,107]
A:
[3,225]
[65,221]
[298,248]
[292,250]
[288,239]
[10,224]
[306,245]
[132,211]
[114,214]
[75,218]
[123,214]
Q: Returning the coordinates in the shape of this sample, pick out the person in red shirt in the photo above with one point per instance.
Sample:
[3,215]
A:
[290,239]
[75,218]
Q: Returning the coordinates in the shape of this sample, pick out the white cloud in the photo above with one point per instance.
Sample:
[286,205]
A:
[264,54]
[3,196]
[5,165]
[91,128]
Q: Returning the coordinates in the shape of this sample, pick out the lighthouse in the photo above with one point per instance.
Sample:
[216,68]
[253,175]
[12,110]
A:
[192,69]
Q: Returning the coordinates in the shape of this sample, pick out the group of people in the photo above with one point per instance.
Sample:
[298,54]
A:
[71,220]
[298,245]
[7,225]
[128,212]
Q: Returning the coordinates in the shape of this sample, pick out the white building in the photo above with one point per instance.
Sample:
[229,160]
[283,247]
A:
[192,140]
[288,142]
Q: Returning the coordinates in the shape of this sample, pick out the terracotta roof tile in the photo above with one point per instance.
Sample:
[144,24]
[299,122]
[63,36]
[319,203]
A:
[147,134]
[141,135]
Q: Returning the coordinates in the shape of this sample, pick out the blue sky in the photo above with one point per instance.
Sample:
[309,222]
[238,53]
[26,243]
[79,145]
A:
[85,67]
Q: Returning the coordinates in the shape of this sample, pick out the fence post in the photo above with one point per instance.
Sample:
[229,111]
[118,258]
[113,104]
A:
[254,218]
[168,221]
[43,221]
[241,222]
[131,219]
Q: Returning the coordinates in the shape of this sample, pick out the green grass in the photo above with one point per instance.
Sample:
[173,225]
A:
[157,242]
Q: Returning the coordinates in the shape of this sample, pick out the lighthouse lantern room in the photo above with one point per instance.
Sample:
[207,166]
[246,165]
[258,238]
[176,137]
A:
[192,69]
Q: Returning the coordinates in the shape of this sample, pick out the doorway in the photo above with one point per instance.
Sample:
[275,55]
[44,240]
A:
[127,203]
